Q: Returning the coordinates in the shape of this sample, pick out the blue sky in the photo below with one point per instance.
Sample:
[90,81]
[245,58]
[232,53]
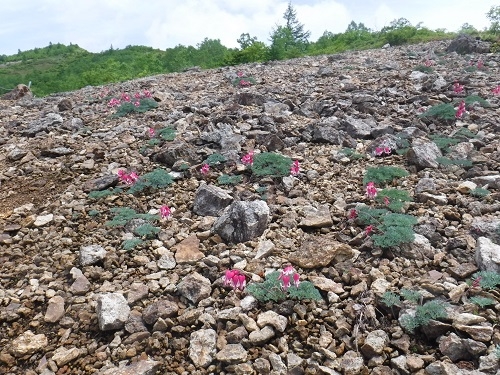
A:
[97,24]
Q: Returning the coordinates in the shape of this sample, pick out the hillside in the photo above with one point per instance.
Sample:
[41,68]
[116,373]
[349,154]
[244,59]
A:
[375,174]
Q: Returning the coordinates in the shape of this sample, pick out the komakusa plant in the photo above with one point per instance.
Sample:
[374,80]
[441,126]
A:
[139,103]
[383,174]
[282,285]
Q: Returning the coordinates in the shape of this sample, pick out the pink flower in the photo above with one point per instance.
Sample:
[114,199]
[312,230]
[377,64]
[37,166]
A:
[128,178]
[386,201]
[461,110]
[287,274]
[151,132]
[235,279]
[114,102]
[428,62]
[480,64]
[165,212]
[248,158]
[239,73]
[353,214]
[137,95]
[458,88]
[368,230]
[204,169]
[125,97]
[245,83]
[496,90]
[295,168]
[371,190]
[147,94]
[133,177]
[137,103]
[379,151]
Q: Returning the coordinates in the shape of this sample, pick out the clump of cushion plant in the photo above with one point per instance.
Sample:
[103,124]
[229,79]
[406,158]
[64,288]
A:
[271,164]
[156,179]
[383,174]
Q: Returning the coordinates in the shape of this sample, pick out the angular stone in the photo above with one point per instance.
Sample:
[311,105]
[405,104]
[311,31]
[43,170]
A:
[424,155]
[487,255]
[43,220]
[375,343]
[242,221]
[112,311]
[91,254]
[326,284]
[264,248]
[55,309]
[188,250]
[232,353]
[260,337]
[159,309]
[137,292]
[479,333]
[142,367]
[28,343]
[63,356]
[195,287]
[316,217]
[279,322]
[202,347]
[351,363]
[320,251]
[210,200]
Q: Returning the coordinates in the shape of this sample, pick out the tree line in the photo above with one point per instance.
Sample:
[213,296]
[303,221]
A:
[58,67]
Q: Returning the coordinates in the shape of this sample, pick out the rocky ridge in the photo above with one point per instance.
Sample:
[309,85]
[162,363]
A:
[73,301]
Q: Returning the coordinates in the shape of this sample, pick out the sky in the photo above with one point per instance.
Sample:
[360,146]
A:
[96,25]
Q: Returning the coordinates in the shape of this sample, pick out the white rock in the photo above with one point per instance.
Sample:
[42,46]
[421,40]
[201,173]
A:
[112,311]
[43,220]
[487,255]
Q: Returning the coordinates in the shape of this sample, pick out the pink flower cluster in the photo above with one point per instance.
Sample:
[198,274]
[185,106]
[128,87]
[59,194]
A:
[245,83]
[295,168]
[287,275]
[235,279]
[126,98]
[151,132]
[428,62]
[165,212]
[128,178]
[458,88]
[461,110]
[496,90]
[248,158]
[371,190]
[205,168]
[480,63]
[383,150]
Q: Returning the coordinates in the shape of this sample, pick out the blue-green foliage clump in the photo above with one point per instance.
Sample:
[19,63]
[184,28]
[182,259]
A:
[397,198]
[226,179]
[444,111]
[482,301]
[98,194]
[351,153]
[156,179]
[128,107]
[479,192]
[424,314]
[383,174]
[215,159]
[487,279]
[124,214]
[131,243]
[392,229]
[271,290]
[271,164]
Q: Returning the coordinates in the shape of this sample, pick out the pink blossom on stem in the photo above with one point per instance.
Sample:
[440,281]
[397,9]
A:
[295,168]
[147,94]
[371,190]
[235,279]
[368,230]
[151,132]
[204,169]
[287,274]
[165,212]
[245,83]
[248,158]
[480,64]
[137,103]
[383,150]
[125,97]
[239,73]
[458,88]
[137,95]
[353,214]
[386,201]
[461,110]
[128,178]
[429,62]
[114,102]
[496,90]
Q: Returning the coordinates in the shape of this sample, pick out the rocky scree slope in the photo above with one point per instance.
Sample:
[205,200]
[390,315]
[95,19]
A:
[74,301]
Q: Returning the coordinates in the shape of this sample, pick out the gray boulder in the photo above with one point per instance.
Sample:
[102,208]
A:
[209,200]
[424,155]
[487,255]
[112,311]
[464,44]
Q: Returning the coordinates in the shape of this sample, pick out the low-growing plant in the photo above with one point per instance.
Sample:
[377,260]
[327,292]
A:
[242,80]
[147,230]
[486,279]
[140,103]
[131,243]
[94,213]
[156,179]
[444,142]
[423,315]
[443,111]
[479,192]
[215,159]
[411,295]
[226,179]
[124,214]
[271,164]
[423,69]
[394,199]
[167,134]
[390,299]
[482,301]
[98,194]
[383,174]
[272,289]
[471,99]
[351,153]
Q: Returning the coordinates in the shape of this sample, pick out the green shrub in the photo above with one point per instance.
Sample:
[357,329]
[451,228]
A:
[383,174]
[390,299]
[146,230]
[423,69]
[271,290]
[487,279]
[128,107]
[271,164]
[471,99]
[229,180]
[167,134]
[156,179]
[351,153]
[411,295]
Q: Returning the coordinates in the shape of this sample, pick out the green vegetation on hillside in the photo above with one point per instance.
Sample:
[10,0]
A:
[58,67]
